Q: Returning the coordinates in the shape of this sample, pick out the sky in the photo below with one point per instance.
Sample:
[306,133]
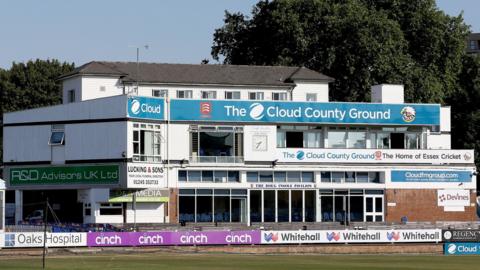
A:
[176,31]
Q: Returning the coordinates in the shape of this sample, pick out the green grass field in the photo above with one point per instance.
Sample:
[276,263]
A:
[233,261]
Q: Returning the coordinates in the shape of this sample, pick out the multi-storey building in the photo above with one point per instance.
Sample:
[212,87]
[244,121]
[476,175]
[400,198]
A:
[219,143]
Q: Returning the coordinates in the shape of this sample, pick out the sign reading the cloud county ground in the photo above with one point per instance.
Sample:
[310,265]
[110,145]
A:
[453,197]
[145,195]
[350,236]
[431,176]
[145,108]
[145,175]
[173,238]
[461,235]
[305,112]
[35,239]
[101,174]
[374,156]
[462,248]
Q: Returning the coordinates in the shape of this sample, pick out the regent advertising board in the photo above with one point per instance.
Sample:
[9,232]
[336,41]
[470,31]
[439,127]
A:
[461,235]
[173,238]
[431,176]
[375,156]
[350,236]
[35,239]
[145,175]
[65,175]
[305,112]
[453,197]
[145,108]
[462,248]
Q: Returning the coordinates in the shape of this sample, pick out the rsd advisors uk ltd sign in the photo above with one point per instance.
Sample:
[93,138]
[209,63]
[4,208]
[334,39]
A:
[145,175]
[145,108]
[305,112]
[64,175]
[327,155]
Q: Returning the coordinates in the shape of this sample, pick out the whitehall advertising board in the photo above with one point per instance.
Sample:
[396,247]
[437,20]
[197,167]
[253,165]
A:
[375,156]
[305,112]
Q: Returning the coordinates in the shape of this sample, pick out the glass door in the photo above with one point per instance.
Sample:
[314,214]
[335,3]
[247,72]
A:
[373,208]
[239,210]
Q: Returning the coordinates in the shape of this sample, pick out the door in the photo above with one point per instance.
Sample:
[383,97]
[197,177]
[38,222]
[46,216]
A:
[373,208]
[239,210]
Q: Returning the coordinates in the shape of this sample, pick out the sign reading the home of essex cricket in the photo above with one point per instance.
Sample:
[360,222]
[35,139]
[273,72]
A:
[61,175]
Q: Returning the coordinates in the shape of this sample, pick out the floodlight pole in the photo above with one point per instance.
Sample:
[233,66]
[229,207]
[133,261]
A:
[45,215]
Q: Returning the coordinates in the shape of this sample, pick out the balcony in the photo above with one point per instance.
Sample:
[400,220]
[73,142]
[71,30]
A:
[216,159]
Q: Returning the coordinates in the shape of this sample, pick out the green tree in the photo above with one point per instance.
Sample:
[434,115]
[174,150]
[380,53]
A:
[358,42]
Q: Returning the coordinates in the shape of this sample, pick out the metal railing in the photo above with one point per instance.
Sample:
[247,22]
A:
[216,159]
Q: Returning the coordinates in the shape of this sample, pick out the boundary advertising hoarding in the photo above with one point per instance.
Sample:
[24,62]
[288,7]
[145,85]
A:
[173,238]
[461,235]
[350,236]
[35,239]
[461,248]
[304,112]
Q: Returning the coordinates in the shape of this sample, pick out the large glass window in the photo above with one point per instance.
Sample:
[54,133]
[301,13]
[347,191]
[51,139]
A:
[256,206]
[222,208]
[213,144]
[283,206]
[357,139]
[412,141]
[204,205]
[269,206]
[310,205]
[186,208]
[266,176]
[146,142]
[337,139]
[312,139]
[297,205]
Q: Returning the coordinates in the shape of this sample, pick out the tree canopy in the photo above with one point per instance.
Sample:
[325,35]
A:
[358,42]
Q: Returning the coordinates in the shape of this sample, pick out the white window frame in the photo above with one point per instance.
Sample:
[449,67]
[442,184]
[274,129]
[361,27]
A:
[314,95]
[155,157]
[57,129]
[209,94]
[71,96]
[232,93]
[186,94]
[279,96]
[257,95]
[162,93]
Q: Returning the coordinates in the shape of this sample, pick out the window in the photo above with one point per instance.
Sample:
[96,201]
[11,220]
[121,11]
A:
[266,176]
[110,209]
[232,94]
[71,96]
[473,44]
[347,138]
[294,139]
[350,177]
[184,93]
[279,96]
[252,177]
[312,139]
[312,97]
[216,144]
[255,95]
[337,139]
[209,94]
[357,139]
[88,209]
[57,136]
[146,142]
[208,176]
[159,93]
[412,141]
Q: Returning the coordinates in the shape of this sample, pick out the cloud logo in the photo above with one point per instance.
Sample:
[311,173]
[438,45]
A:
[333,236]
[393,236]
[300,155]
[452,248]
[135,106]
[256,111]
[270,237]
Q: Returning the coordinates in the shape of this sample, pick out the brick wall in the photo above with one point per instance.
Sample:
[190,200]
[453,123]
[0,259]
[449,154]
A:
[421,205]
[172,206]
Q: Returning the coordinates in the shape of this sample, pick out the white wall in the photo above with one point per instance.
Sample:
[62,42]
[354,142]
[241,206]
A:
[387,93]
[439,141]
[261,135]
[179,138]
[26,143]
[302,88]
[445,119]
[146,212]
[92,87]
[95,140]
[74,83]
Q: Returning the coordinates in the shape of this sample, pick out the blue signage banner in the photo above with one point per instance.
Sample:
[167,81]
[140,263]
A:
[304,112]
[462,249]
[146,108]
[431,176]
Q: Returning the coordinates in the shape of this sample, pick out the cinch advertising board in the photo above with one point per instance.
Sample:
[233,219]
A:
[350,236]
[462,248]
[145,108]
[431,176]
[305,112]
[192,238]
[326,155]
[461,235]
[65,175]
[35,239]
